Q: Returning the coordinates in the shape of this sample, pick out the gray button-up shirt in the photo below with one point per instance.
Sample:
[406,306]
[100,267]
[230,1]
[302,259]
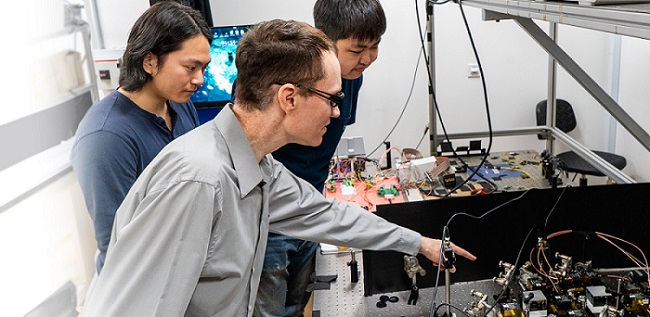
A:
[190,236]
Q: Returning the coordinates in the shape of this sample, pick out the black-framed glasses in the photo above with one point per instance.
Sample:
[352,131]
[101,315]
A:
[335,99]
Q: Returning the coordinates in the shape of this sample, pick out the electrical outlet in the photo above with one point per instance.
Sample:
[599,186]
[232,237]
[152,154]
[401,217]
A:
[473,71]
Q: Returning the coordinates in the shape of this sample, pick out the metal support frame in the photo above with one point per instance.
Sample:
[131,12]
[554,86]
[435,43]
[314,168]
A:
[551,104]
[585,81]
[619,22]
[90,62]
[593,159]
[95,21]
[433,119]
[555,133]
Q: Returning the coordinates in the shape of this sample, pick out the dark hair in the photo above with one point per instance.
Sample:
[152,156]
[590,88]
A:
[160,30]
[278,51]
[342,19]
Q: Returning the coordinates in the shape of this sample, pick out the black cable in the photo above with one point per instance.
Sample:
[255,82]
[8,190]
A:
[429,76]
[552,209]
[511,277]
[445,234]
[433,312]
[422,138]
[435,102]
[489,120]
[444,129]
[516,264]
[415,73]
[489,211]
[452,306]
[487,106]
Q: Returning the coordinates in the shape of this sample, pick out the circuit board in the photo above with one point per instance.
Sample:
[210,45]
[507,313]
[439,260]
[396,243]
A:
[510,171]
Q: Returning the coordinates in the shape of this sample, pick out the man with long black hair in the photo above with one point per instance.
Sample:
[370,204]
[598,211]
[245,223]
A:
[163,64]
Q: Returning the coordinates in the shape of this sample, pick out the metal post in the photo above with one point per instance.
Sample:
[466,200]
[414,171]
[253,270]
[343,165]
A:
[552,91]
[433,122]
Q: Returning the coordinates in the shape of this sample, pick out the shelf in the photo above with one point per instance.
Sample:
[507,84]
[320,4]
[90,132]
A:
[39,143]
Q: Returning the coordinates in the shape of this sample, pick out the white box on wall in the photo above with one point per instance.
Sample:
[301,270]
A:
[107,69]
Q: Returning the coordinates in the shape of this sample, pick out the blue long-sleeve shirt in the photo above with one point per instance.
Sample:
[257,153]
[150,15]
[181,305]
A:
[115,141]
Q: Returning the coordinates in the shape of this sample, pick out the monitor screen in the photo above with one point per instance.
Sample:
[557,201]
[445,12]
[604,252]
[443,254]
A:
[221,72]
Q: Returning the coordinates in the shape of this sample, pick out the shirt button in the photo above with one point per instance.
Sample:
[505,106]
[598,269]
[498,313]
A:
[253,270]
[250,307]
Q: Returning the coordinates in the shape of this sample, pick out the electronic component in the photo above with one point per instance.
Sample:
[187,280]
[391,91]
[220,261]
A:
[388,192]
[350,147]
[510,309]
[567,289]
[597,298]
[529,280]
[107,64]
[413,268]
[504,276]
[474,148]
[637,303]
[354,268]
[478,308]
[449,180]
[534,304]
[562,268]
[611,311]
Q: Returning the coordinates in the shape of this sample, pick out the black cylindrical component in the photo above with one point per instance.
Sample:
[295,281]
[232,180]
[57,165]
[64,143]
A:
[354,271]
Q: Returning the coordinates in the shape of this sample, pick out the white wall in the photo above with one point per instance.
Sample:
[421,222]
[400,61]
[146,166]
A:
[115,20]
[387,85]
[515,69]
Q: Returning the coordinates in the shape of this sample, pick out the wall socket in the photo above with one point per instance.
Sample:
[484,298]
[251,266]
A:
[473,71]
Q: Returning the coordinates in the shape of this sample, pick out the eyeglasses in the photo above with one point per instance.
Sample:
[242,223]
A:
[335,99]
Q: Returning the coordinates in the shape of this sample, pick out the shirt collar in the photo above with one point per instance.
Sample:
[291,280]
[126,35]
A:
[249,172]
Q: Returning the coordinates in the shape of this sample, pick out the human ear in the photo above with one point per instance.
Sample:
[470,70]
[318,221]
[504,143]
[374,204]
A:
[150,63]
[287,96]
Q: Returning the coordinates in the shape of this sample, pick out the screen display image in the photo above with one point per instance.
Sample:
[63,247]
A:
[221,72]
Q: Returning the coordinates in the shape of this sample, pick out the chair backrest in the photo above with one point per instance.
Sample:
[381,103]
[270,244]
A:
[565,118]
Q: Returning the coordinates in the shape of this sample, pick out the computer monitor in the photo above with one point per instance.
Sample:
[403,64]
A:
[221,72]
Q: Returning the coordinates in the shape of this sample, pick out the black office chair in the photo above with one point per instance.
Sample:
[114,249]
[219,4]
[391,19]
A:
[565,120]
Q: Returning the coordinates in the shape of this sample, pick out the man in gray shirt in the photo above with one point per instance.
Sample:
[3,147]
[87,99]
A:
[190,236]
